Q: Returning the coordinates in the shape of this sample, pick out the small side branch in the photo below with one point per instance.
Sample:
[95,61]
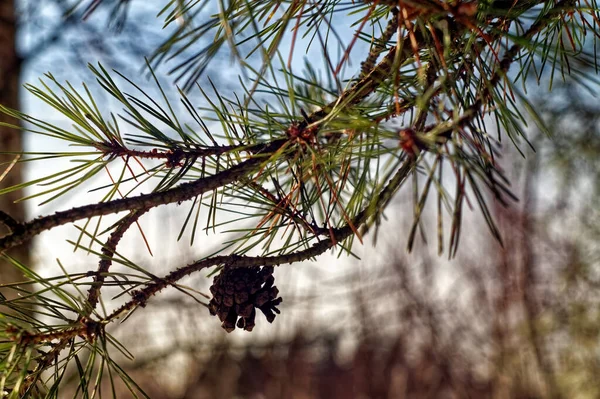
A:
[183,192]
[115,149]
[108,251]
[11,224]
[511,54]
[380,44]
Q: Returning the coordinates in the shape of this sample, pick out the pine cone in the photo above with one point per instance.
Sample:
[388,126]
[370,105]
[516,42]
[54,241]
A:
[238,292]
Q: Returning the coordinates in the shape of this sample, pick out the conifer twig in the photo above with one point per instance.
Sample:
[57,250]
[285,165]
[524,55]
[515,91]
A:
[108,251]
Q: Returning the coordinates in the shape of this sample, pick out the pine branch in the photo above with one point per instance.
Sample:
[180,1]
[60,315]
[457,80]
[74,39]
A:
[183,192]
[187,191]
[108,251]
[444,69]
[140,297]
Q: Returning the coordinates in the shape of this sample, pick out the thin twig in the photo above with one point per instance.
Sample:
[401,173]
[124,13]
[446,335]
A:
[108,251]
[11,224]
[380,44]
[117,150]
[183,192]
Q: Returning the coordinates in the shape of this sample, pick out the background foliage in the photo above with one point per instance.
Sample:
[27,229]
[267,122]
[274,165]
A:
[291,164]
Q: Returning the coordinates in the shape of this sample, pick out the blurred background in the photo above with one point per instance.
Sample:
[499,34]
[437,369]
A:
[518,320]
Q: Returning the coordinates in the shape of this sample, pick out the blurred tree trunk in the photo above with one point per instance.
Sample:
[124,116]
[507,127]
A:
[10,139]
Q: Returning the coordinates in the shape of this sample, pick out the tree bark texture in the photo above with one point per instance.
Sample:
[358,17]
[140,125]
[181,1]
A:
[11,140]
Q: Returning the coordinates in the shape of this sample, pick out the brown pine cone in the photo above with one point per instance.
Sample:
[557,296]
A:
[237,293]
